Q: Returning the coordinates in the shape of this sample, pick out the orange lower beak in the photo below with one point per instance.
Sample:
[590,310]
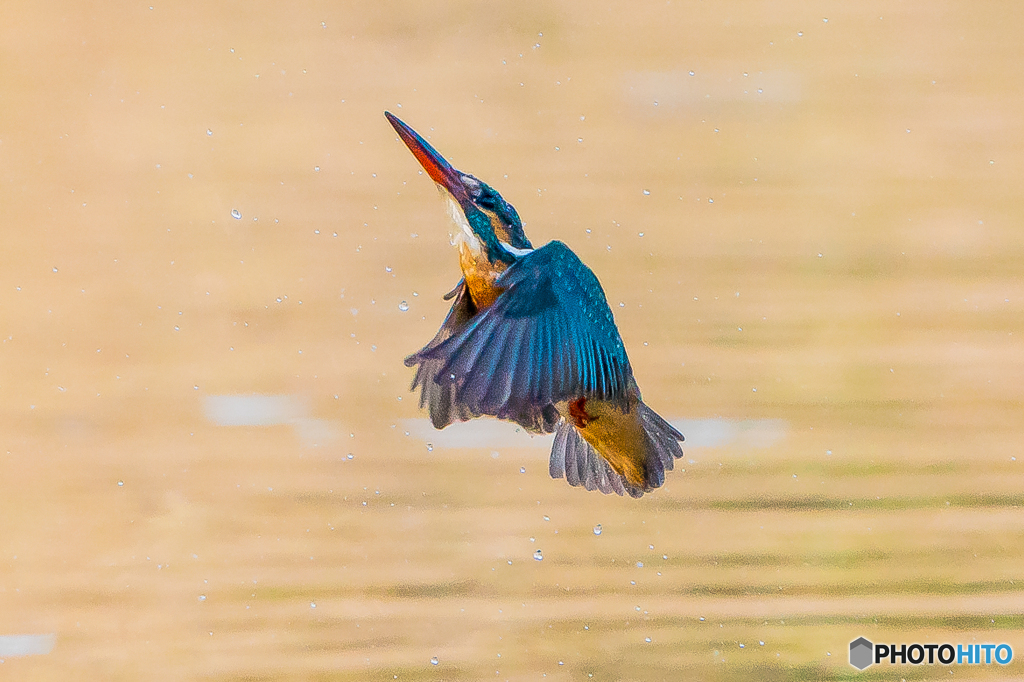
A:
[437,168]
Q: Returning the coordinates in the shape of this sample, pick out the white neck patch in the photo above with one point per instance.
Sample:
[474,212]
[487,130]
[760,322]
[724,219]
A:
[513,250]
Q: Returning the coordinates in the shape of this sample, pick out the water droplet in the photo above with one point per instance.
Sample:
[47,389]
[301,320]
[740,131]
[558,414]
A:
[430,447]
[236,214]
[403,306]
[691,73]
[639,564]
[312,604]
[202,597]
[547,518]
[351,456]
[433,660]
[209,132]
[55,269]
[647,639]
[522,470]
[597,529]
[316,169]
[647,192]
[538,556]
[120,484]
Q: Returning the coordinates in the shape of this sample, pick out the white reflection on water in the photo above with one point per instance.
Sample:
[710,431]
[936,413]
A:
[715,433]
[699,433]
[253,410]
[271,410]
[26,645]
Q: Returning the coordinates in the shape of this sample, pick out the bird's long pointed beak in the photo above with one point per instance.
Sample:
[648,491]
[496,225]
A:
[437,168]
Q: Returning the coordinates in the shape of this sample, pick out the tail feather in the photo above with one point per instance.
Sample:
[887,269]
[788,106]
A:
[575,459]
[581,465]
[662,445]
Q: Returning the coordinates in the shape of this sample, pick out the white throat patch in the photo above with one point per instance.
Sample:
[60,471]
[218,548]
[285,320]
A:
[464,233]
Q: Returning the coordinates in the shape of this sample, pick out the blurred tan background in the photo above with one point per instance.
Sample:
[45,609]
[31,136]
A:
[807,219]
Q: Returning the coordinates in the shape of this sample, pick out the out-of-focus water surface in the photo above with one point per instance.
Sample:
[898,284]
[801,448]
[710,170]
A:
[216,254]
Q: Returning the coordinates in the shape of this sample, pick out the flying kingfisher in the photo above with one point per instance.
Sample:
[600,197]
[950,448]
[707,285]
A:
[530,338]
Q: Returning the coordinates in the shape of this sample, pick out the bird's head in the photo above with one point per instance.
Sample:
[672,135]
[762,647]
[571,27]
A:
[476,206]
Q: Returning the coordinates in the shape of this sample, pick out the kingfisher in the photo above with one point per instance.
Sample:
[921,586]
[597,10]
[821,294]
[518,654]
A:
[530,339]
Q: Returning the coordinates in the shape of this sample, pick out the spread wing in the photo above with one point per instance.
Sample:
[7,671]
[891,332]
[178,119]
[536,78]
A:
[548,337]
[440,398]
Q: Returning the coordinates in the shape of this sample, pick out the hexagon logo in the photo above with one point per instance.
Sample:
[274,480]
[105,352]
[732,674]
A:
[861,653]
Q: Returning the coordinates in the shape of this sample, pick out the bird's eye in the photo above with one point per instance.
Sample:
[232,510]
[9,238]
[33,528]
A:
[486,200]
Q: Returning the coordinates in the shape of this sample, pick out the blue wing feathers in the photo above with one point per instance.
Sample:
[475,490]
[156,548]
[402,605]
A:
[533,369]
[549,336]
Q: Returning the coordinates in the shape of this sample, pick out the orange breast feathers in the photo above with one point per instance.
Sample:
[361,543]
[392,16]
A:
[480,274]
